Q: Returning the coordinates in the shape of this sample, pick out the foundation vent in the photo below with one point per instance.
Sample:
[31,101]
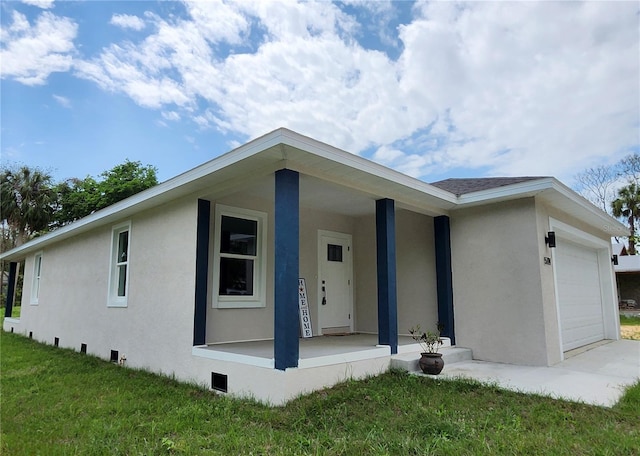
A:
[30,334]
[114,356]
[56,341]
[219,382]
[83,348]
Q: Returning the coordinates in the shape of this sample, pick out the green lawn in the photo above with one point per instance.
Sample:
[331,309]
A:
[629,321]
[15,312]
[57,401]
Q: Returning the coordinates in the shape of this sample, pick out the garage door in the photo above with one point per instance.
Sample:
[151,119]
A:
[579,295]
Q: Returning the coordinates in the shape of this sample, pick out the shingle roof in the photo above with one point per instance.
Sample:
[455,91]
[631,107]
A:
[463,186]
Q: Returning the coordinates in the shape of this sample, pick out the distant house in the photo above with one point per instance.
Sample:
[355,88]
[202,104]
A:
[627,276]
[198,277]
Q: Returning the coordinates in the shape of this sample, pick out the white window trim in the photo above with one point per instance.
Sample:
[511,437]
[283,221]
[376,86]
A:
[113,300]
[258,299]
[37,275]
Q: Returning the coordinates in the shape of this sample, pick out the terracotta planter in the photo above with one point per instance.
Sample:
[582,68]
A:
[431,363]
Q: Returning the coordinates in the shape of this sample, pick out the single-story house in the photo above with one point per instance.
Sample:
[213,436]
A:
[199,277]
[627,272]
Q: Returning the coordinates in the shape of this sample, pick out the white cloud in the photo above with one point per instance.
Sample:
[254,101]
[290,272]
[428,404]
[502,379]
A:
[44,4]
[31,53]
[528,87]
[127,21]
[63,101]
[171,115]
[513,87]
[217,21]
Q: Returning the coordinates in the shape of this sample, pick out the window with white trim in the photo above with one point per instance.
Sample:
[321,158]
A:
[37,272]
[119,274]
[239,258]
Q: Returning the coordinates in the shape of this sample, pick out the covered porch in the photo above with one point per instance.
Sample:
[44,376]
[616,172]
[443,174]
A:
[397,256]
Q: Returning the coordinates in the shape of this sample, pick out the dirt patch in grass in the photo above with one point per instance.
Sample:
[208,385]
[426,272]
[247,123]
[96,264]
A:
[630,332]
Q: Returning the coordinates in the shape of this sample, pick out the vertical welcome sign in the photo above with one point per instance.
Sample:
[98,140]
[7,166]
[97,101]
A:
[303,305]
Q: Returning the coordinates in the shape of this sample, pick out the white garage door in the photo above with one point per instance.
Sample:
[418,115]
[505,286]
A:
[579,295]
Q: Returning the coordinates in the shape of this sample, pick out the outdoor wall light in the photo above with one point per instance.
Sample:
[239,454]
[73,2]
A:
[614,260]
[550,239]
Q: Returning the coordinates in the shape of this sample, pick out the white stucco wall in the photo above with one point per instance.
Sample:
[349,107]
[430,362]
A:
[496,282]
[276,387]
[155,330]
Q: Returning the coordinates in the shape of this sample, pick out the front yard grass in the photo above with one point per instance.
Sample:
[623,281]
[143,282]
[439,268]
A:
[56,401]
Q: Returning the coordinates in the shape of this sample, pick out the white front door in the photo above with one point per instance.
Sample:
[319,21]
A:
[335,282]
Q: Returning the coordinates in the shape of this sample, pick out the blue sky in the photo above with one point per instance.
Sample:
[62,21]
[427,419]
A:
[432,89]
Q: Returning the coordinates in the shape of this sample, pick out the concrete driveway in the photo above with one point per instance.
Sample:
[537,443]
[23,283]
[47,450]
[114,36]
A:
[596,375]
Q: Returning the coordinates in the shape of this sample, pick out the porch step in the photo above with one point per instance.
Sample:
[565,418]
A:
[450,355]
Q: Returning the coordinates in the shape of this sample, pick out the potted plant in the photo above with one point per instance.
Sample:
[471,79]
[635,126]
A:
[431,361]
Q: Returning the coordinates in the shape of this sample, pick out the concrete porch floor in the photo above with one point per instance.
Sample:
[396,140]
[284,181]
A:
[314,352]
[312,347]
[597,374]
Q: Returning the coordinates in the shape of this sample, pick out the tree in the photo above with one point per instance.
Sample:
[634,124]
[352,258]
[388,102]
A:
[124,181]
[26,202]
[627,205]
[597,185]
[630,168]
[78,198]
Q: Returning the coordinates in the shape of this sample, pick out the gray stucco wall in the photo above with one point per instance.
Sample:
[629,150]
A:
[416,276]
[417,291]
[257,323]
[496,282]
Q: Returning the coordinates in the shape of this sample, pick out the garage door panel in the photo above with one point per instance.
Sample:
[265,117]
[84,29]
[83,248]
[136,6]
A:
[579,295]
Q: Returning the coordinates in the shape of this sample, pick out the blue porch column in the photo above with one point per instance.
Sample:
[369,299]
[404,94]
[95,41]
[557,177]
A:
[386,264]
[202,272]
[444,281]
[287,257]
[11,289]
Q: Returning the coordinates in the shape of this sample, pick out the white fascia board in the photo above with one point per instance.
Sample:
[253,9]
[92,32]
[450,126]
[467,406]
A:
[342,157]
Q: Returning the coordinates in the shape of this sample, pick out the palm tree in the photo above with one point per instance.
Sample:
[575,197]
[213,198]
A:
[628,205]
[26,202]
